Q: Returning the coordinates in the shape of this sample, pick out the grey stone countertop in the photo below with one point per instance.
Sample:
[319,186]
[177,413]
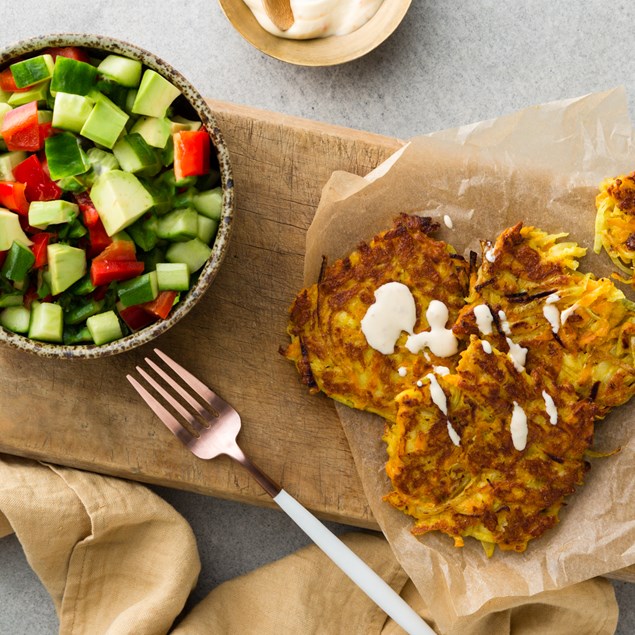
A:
[449,63]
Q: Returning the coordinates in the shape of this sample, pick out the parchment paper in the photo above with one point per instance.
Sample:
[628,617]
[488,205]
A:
[541,165]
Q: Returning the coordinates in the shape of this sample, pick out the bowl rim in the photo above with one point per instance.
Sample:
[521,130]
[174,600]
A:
[317,52]
[108,44]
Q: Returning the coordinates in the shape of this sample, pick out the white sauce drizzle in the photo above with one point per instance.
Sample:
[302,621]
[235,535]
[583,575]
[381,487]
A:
[564,316]
[484,319]
[454,437]
[517,354]
[441,341]
[552,312]
[448,221]
[504,323]
[394,311]
[550,406]
[441,370]
[490,256]
[419,383]
[518,427]
[487,347]
[403,371]
[441,402]
[319,18]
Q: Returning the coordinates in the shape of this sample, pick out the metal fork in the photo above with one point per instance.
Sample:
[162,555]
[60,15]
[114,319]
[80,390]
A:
[209,428]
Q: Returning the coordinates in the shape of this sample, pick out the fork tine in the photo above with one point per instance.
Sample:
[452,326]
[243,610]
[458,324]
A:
[203,390]
[165,415]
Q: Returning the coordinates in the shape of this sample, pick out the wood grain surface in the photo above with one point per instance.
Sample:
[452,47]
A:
[84,414]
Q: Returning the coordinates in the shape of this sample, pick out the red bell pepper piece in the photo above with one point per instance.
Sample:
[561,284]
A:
[136,317]
[74,52]
[7,82]
[162,304]
[40,243]
[12,197]
[46,131]
[39,186]
[97,237]
[191,153]
[3,256]
[118,251]
[106,271]
[20,128]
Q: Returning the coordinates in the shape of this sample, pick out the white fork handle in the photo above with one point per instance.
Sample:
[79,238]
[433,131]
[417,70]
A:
[354,567]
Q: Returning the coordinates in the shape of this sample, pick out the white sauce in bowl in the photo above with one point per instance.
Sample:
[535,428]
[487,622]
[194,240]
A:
[319,18]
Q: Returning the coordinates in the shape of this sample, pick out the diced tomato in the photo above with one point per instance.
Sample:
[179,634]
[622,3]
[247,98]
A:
[90,215]
[20,128]
[162,305]
[106,271]
[46,131]
[3,257]
[7,82]
[191,153]
[39,186]
[137,317]
[74,52]
[12,197]
[97,236]
[40,243]
[100,292]
[118,251]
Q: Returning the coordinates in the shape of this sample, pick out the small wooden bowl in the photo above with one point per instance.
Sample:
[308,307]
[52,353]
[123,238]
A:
[320,51]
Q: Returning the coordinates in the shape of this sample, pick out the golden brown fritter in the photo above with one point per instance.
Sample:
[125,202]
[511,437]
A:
[615,223]
[485,487]
[579,329]
[327,343]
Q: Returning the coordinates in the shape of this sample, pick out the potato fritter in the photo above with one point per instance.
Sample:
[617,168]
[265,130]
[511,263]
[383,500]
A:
[485,486]
[615,223]
[327,344]
[579,329]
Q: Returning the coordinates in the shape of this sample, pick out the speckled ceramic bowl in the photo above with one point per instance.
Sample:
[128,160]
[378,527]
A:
[209,271]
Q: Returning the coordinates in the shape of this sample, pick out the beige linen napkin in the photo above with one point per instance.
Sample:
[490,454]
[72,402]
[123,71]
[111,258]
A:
[117,560]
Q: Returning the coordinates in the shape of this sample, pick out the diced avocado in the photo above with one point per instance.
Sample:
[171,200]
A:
[143,288]
[71,111]
[206,228]
[18,262]
[104,327]
[39,92]
[102,161]
[122,70]
[66,266]
[179,225]
[8,161]
[209,203]
[16,319]
[120,199]
[32,70]
[47,322]
[178,123]
[136,156]
[155,95]
[155,131]
[72,76]
[65,156]
[11,230]
[193,253]
[173,276]
[45,213]
[105,122]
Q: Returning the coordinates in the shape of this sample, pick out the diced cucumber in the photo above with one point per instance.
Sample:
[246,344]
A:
[178,225]
[4,109]
[102,161]
[209,203]
[39,92]
[81,313]
[155,131]
[104,327]
[71,111]
[8,161]
[16,319]
[155,95]
[44,116]
[206,228]
[32,70]
[120,200]
[143,288]
[72,76]
[144,233]
[173,276]
[11,299]
[18,262]
[105,122]
[47,322]
[122,70]
[73,335]
[193,253]
[45,213]
[136,156]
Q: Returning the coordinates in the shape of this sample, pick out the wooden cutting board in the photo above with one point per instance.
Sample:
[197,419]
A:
[85,414]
